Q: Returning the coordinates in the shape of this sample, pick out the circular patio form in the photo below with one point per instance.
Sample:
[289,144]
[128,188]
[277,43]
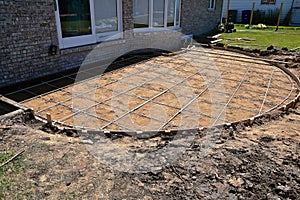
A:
[189,90]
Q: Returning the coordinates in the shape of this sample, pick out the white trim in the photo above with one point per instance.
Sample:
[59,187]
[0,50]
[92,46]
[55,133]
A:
[57,19]
[77,40]
[120,16]
[150,13]
[156,29]
[166,13]
[179,16]
[212,5]
[175,12]
[92,11]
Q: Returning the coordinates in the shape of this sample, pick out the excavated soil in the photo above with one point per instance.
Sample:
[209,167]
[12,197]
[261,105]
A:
[258,162]
[241,162]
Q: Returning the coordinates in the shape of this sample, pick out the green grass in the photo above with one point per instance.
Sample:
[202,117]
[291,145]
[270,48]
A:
[288,37]
[15,166]
[295,28]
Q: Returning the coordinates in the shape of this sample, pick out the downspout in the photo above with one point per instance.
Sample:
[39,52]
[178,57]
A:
[221,20]
[291,10]
[227,11]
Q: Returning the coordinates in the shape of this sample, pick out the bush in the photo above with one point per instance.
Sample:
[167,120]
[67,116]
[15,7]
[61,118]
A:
[266,17]
[259,26]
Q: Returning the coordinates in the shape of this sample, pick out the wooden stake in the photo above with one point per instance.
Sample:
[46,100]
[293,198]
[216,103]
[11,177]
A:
[251,121]
[49,120]
[12,158]
[32,112]
[227,11]
[279,16]
[252,13]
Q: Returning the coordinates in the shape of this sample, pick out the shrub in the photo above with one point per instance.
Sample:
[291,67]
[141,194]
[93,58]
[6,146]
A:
[266,17]
[261,26]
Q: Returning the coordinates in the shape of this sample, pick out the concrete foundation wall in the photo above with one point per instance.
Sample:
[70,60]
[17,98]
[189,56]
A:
[26,37]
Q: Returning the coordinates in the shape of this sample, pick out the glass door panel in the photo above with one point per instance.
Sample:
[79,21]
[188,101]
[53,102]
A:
[158,13]
[171,13]
[106,19]
[141,14]
[75,17]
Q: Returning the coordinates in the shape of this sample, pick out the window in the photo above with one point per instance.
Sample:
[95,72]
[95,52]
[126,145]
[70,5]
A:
[81,22]
[268,1]
[212,5]
[156,13]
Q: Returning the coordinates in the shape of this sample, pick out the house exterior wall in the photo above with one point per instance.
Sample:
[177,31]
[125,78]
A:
[247,5]
[26,37]
[295,20]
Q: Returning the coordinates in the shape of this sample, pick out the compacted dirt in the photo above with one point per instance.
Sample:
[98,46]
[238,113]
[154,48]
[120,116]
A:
[261,161]
[241,162]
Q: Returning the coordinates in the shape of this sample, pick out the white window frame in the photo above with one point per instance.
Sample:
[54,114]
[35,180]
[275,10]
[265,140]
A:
[268,2]
[151,11]
[69,42]
[212,5]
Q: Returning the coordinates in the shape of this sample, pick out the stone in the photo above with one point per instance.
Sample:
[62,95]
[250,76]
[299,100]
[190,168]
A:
[87,142]
[270,47]
[236,182]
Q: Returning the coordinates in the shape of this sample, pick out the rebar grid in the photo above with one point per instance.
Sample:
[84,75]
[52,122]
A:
[74,94]
[232,96]
[180,77]
[266,94]
[118,94]
[70,76]
[189,103]
[152,98]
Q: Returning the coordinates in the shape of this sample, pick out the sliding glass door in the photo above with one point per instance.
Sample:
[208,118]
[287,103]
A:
[153,14]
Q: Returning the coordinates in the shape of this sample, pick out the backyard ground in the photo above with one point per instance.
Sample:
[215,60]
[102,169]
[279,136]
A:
[258,38]
[243,162]
[193,89]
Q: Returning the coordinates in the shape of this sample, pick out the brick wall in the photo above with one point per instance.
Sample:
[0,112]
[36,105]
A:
[24,42]
[25,38]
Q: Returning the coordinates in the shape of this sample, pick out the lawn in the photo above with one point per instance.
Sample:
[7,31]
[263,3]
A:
[7,170]
[288,37]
